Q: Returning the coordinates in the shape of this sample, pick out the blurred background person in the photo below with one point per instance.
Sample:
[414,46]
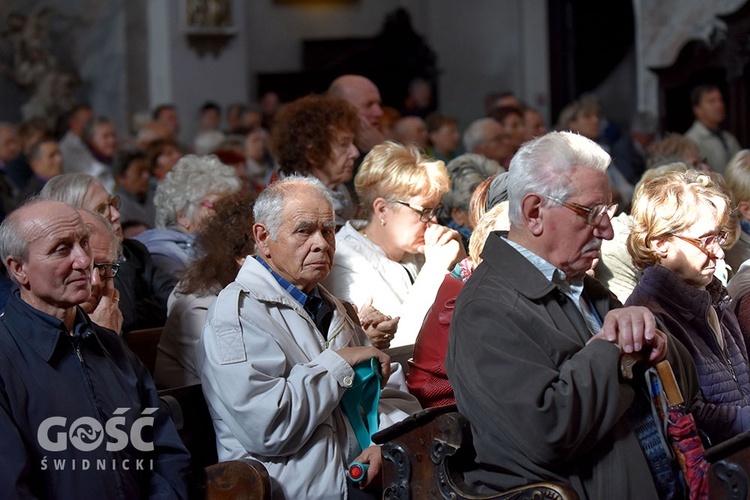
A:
[101,138]
[533,123]
[74,151]
[514,132]
[45,162]
[630,152]
[314,136]
[133,176]
[443,134]
[183,199]
[466,173]
[485,136]
[412,130]
[30,131]
[716,145]
[162,156]
[221,246]
[258,160]
[209,117]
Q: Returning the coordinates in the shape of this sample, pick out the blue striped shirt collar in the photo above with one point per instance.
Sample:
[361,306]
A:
[292,290]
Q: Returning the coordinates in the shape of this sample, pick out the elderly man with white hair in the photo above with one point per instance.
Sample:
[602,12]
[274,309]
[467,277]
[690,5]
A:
[535,343]
[278,356]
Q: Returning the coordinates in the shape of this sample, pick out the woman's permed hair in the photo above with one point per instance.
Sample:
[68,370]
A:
[304,129]
[182,189]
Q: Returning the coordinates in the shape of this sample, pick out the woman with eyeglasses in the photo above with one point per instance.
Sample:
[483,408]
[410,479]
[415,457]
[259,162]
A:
[395,260]
[681,222]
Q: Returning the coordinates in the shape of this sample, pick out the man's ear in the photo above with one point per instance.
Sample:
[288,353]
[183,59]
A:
[532,214]
[17,269]
[261,239]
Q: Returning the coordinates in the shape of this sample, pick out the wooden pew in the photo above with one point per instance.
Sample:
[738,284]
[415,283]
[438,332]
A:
[143,343]
[235,479]
[730,468]
[425,455]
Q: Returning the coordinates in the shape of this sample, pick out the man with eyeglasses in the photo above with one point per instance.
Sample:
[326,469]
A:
[535,343]
[102,306]
[79,413]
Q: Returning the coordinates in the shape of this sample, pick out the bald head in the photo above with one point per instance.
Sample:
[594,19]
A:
[360,92]
[412,130]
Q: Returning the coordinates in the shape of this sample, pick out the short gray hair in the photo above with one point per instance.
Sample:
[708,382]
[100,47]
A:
[14,236]
[68,188]
[474,133]
[269,206]
[467,172]
[192,178]
[543,166]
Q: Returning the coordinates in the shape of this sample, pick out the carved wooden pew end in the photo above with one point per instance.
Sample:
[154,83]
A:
[425,456]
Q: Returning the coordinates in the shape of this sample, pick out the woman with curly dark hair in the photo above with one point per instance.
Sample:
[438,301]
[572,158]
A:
[314,136]
[222,244]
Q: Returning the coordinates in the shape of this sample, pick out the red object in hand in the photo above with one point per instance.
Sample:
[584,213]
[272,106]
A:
[357,471]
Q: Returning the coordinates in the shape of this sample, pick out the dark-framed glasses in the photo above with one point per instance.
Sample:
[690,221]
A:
[705,242]
[107,269]
[593,214]
[425,213]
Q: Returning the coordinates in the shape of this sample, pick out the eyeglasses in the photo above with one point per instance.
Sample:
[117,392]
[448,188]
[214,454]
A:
[425,213]
[107,270]
[106,208]
[593,215]
[704,243]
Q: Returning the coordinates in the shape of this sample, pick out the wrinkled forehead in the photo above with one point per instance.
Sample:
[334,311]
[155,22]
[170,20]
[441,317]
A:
[307,203]
[54,227]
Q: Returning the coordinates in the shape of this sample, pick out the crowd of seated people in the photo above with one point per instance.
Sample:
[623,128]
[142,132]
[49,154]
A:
[507,253]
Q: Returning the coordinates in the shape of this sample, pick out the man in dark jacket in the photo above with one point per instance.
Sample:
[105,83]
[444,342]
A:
[534,348]
[79,414]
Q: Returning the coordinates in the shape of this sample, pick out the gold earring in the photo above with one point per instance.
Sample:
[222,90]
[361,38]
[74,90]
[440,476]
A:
[382,222]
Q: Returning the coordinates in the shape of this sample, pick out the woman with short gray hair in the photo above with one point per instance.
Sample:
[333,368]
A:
[183,199]
[466,173]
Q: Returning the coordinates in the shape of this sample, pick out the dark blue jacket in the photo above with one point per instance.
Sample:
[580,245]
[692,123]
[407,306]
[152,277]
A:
[724,372]
[77,416]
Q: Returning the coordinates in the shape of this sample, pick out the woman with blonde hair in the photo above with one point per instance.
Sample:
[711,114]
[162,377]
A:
[396,259]
[680,222]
